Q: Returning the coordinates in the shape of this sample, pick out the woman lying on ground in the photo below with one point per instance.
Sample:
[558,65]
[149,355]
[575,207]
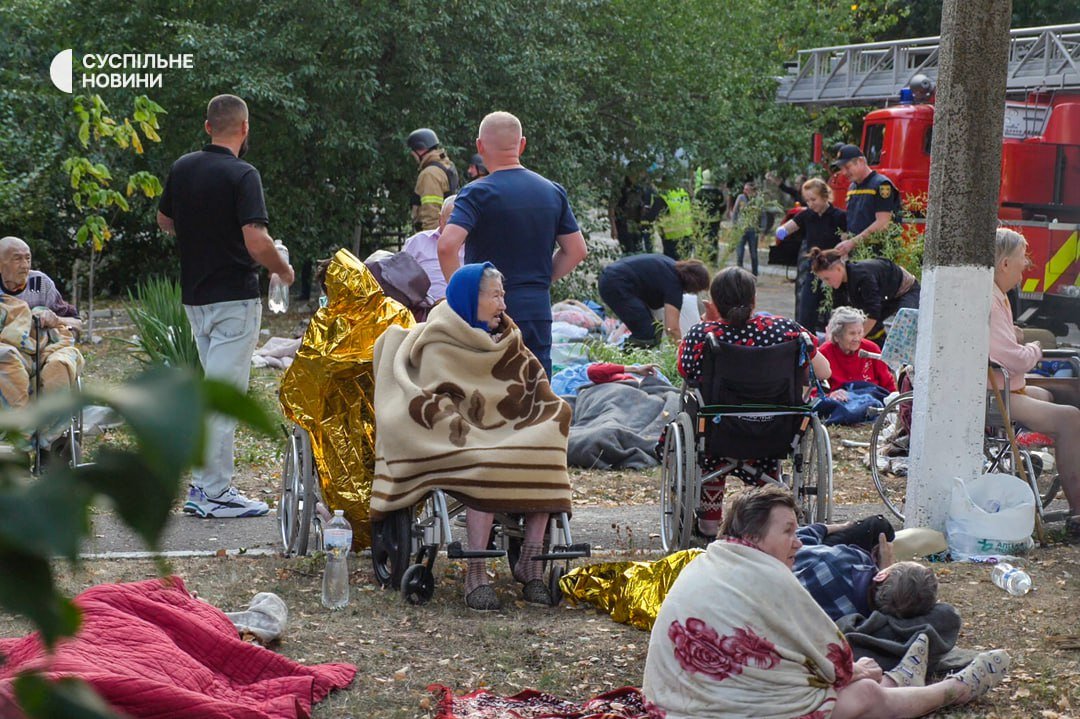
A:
[767,649]
[462,405]
[846,336]
[1033,407]
[734,297]
[878,287]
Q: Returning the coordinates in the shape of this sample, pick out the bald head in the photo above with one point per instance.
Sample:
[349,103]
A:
[500,142]
[14,262]
[9,244]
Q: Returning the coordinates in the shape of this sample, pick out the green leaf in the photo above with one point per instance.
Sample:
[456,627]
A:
[27,589]
[142,494]
[66,698]
[84,133]
[47,517]
[227,399]
[80,236]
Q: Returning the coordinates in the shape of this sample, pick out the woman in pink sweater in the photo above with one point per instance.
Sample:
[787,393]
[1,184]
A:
[1032,407]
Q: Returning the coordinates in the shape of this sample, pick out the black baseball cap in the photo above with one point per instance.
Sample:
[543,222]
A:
[848,153]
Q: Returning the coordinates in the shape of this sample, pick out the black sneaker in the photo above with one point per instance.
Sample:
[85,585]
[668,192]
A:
[863,533]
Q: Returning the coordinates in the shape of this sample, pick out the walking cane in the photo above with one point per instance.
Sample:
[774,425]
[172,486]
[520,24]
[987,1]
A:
[1040,530]
[36,323]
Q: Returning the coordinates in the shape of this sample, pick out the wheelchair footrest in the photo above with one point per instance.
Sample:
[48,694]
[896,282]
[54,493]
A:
[454,550]
[565,551]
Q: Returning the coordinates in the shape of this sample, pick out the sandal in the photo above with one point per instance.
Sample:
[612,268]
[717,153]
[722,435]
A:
[483,599]
[984,673]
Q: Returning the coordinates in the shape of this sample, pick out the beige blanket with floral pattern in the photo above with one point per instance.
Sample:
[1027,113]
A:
[467,412]
[60,360]
[737,636]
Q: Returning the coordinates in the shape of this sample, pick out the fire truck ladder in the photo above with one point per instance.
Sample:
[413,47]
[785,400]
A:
[1040,59]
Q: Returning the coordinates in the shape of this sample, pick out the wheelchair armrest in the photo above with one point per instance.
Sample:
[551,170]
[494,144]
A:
[991,401]
[1068,353]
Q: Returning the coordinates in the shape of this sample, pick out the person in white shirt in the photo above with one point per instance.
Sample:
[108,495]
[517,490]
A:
[424,248]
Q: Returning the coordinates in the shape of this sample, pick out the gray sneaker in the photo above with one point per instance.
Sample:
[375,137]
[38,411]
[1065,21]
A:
[228,504]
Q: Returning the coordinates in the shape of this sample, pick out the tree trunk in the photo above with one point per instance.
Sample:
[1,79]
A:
[950,362]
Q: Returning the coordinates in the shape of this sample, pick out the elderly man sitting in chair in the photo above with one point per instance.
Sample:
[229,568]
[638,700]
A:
[23,353]
[33,287]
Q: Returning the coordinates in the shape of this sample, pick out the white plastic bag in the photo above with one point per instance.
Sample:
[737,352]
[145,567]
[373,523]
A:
[994,515]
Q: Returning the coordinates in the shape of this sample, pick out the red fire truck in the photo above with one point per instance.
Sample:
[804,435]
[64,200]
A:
[1040,162]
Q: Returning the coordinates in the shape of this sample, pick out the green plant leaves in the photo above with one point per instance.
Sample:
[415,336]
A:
[68,698]
[27,589]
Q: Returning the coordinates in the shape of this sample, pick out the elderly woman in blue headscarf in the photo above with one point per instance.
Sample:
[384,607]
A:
[463,406]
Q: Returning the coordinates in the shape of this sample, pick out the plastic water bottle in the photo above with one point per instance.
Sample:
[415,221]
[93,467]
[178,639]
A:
[337,541]
[1012,579]
[278,297]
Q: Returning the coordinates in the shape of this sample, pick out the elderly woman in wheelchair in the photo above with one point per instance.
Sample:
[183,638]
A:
[462,407]
[1033,407]
[744,410]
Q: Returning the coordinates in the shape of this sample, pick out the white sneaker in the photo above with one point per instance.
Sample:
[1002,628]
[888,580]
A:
[229,503]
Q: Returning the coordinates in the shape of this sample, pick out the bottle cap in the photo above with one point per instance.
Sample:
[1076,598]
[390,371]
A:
[339,512]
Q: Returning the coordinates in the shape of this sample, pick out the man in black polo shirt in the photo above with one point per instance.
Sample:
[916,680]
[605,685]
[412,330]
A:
[213,204]
[872,200]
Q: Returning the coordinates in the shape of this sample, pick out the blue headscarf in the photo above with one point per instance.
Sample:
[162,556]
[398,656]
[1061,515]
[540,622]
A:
[463,293]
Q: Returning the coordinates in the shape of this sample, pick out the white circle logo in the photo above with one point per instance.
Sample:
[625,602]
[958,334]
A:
[60,71]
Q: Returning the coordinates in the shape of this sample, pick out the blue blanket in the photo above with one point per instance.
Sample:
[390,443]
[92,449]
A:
[862,397]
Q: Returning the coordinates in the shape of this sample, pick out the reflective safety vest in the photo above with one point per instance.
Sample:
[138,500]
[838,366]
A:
[678,221]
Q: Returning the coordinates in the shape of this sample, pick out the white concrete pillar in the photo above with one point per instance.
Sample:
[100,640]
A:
[953,346]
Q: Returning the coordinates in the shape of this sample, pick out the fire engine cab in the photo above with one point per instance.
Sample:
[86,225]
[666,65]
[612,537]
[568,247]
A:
[1040,159]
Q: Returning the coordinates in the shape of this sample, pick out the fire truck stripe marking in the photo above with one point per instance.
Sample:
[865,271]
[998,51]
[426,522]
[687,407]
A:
[1031,285]
[1061,260]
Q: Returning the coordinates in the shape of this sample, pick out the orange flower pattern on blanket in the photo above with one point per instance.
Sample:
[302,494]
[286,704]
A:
[699,648]
[525,377]
[448,399]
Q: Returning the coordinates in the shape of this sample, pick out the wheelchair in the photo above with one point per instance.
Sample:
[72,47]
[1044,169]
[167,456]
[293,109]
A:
[746,408]
[300,509]
[891,433]
[405,543]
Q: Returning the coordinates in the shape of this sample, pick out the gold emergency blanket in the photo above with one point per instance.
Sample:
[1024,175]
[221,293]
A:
[631,592]
[330,387]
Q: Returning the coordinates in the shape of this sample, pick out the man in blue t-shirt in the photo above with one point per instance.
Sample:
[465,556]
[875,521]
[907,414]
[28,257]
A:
[519,221]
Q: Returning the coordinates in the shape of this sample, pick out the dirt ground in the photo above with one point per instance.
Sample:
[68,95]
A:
[572,651]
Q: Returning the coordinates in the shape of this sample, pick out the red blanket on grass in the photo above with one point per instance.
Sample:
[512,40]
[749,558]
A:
[152,650]
[625,703]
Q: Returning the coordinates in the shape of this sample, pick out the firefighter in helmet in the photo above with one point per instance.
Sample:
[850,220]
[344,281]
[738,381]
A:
[438,178]
[477,168]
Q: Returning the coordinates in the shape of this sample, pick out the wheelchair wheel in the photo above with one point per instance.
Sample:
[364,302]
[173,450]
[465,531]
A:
[391,547]
[812,482]
[556,574]
[417,584]
[889,440]
[296,504]
[999,458]
[678,484]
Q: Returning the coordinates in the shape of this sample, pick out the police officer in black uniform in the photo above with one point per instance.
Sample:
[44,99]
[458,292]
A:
[872,200]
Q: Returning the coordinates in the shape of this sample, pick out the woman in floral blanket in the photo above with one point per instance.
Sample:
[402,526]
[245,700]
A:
[738,636]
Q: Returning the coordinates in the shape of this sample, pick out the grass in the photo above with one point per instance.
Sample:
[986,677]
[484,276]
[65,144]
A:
[572,651]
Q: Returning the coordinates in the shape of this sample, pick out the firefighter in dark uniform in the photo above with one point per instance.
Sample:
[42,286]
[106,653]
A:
[438,178]
[873,202]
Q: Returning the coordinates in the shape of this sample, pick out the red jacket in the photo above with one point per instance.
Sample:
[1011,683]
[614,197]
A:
[853,368]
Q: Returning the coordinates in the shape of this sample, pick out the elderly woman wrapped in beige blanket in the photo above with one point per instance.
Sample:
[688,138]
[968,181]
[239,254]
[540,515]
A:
[60,361]
[462,405]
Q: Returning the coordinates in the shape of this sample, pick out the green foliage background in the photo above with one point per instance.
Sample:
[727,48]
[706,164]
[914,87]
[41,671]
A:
[335,86]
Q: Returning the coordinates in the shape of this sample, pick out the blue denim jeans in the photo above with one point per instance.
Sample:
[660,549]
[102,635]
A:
[226,334]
